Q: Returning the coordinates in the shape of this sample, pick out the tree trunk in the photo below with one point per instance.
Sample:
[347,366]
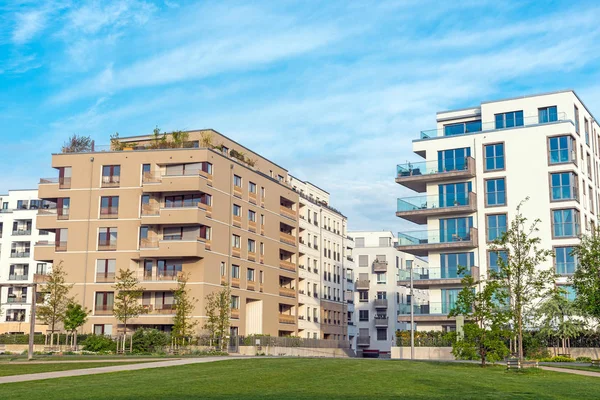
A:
[75,339]
[520,336]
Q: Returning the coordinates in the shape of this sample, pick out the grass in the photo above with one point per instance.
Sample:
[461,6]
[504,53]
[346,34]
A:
[7,369]
[289,378]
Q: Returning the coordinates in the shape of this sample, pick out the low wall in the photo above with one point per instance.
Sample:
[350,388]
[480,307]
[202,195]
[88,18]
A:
[293,351]
[592,352]
[423,353]
[19,348]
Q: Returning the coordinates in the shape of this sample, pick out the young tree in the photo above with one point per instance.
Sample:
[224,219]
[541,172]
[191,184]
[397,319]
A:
[556,316]
[179,138]
[77,144]
[183,326]
[56,290]
[129,292]
[586,279]
[526,284]
[483,303]
[218,305]
[75,317]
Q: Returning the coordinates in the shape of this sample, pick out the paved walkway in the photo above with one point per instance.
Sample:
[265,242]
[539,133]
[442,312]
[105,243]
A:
[86,361]
[571,371]
[114,368]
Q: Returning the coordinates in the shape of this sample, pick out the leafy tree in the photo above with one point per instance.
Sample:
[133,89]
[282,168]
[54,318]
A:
[179,138]
[206,139]
[218,305]
[75,317]
[127,300]
[183,325]
[56,299]
[525,283]
[77,144]
[556,316]
[586,279]
[487,315]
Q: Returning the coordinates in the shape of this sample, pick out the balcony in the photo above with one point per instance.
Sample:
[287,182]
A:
[107,245]
[155,215]
[235,282]
[109,212]
[381,304]
[103,310]
[437,311]
[287,265]
[158,276]
[287,212]
[47,217]
[381,322]
[20,299]
[20,253]
[287,319]
[235,313]
[287,292]
[418,208]
[236,252]
[250,285]
[40,279]
[287,238]
[160,309]
[20,276]
[49,187]
[380,266]
[237,191]
[237,221]
[417,175]
[22,232]
[363,341]
[362,284]
[435,276]
[187,181]
[150,248]
[45,250]
[108,277]
[420,243]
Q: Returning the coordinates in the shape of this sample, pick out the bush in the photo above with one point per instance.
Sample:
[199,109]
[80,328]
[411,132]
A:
[99,343]
[584,359]
[557,359]
[534,346]
[211,353]
[149,341]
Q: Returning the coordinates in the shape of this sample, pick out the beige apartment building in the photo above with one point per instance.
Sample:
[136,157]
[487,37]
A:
[211,209]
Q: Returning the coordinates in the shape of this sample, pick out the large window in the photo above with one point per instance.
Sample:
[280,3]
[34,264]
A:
[462,127]
[495,192]
[565,223]
[109,206]
[188,200]
[547,114]
[509,119]
[104,301]
[565,261]
[450,263]
[111,175]
[496,226]
[381,334]
[107,238]
[455,229]
[494,256]
[449,297]
[494,156]
[561,149]
[563,186]
[363,315]
[237,210]
[453,159]
[576,119]
[454,194]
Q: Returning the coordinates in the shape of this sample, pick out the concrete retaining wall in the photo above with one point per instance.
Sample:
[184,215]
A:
[292,351]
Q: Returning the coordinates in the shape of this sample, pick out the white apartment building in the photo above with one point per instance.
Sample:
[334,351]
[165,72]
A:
[378,298]
[325,263]
[476,167]
[18,234]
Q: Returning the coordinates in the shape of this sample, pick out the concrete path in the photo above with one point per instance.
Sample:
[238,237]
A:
[114,368]
[105,360]
[571,371]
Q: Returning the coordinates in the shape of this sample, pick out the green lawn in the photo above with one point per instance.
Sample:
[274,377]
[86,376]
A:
[7,369]
[265,378]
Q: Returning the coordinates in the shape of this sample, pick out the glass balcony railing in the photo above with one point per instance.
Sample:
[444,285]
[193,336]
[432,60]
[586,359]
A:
[432,308]
[492,126]
[432,167]
[435,236]
[432,273]
[432,202]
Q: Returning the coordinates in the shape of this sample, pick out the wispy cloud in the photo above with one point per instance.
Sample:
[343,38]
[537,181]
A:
[28,25]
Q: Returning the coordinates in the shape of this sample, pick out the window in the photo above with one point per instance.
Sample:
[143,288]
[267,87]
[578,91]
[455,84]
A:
[237,210]
[586,127]
[235,241]
[547,114]
[235,302]
[494,156]
[173,233]
[496,226]
[104,301]
[252,187]
[251,216]
[381,277]
[494,256]
[454,194]
[223,269]
[41,269]
[563,186]
[509,119]
[565,223]
[109,206]
[363,315]
[576,119]
[363,295]
[103,329]
[363,261]
[455,229]
[188,200]
[251,246]
[359,242]
[381,334]
[569,292]
[106,268]
[237,181]
[449,297]
[107,237]
[495,192]
[561,149]
[565,261]
[250,275]
[111,175]
[385,242]
[462,127]
[235,271]
[453,159]
[450,263]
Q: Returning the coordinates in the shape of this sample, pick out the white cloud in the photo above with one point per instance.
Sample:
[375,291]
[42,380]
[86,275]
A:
[28,25]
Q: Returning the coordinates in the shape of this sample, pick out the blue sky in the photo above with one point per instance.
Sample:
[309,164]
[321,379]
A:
[333,91]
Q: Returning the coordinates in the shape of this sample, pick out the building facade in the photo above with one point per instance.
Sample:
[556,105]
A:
[207,208]
[378,298]
[18,234]
[476,167]
[325,262]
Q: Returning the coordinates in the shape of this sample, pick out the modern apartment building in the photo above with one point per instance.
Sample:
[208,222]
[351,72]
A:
[378,298]
[325,262]
[476,167]
[207,207]
[18,233]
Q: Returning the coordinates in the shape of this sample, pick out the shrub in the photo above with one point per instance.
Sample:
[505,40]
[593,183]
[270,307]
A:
[584,359]
[99,343]
[557,359]
[149,341]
